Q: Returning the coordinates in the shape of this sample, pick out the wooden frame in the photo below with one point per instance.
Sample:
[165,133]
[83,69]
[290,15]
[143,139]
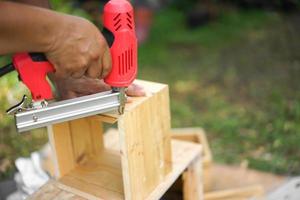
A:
[144,165]
[198,136]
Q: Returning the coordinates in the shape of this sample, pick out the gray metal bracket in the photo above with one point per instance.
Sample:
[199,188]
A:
[68,110]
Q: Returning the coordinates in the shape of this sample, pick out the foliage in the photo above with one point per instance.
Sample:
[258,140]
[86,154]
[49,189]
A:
[69,7]
[234,78]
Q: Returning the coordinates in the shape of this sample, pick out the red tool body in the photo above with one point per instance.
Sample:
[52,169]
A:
[33,73]
[118,18]
[119,32]
[119,22]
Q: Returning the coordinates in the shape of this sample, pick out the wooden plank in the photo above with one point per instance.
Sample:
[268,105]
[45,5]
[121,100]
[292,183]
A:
[247,192]
[144,131]
[47,191]
[111,141]
[243,177]
[192,181]
[96,131]
[145,149]
[87,138]
[100,177]
[51,191]
[62,148]
[73,142]
[183,154]
[66,196]
[197,135]
[107,118]
[81,141]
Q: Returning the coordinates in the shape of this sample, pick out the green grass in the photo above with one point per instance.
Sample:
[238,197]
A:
[235,78]
[238,77]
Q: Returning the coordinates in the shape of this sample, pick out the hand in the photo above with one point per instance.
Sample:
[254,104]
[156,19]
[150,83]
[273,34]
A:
[75,87]
[72,44]
[79,49]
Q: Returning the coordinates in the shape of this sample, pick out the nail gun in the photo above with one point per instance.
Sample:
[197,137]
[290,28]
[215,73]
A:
[119,31]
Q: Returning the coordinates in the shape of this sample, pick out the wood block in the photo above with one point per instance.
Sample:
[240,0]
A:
[247,192]
[100,178]
[51,190]
[144,132]
[192,181]
[197,135]
[73,142]
[142,162]
[233,177]
[243,176]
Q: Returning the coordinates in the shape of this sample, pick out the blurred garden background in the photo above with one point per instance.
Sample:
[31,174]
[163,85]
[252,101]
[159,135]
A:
[233,67]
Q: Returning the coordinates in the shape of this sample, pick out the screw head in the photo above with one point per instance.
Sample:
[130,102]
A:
[35,118]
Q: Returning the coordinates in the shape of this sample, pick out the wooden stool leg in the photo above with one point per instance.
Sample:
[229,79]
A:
[192,181]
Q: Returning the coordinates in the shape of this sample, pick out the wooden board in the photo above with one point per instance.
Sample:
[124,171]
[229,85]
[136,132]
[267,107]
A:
[51,190]
[73,142]
[144,133]
[100,177]
[144,141]
[196,135]
[242,193]
[192,181]
[243,177]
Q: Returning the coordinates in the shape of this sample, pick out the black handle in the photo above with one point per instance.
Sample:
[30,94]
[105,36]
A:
[38,57]
[6,69]
[109,36]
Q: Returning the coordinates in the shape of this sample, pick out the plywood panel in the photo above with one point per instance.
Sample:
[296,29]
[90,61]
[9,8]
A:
[100,177]
[192,181]
[144,131]
[73,142]
[145,147]
[51,191]
[62,148]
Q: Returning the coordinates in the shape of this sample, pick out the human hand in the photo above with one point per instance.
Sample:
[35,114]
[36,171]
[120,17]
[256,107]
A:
[69,88]
[79,49]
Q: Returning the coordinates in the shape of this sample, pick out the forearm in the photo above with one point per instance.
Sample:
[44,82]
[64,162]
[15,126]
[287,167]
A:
[27,28]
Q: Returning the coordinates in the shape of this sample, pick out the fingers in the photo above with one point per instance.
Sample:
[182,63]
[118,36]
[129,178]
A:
[91,86]
[74,87]
[84,52]
[77,74]
[100,64]
[106,63]
[95,68]
[135,90]
[59,73]
[68,68]
[68,95]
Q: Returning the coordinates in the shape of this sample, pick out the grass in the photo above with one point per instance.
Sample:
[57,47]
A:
[237,77]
